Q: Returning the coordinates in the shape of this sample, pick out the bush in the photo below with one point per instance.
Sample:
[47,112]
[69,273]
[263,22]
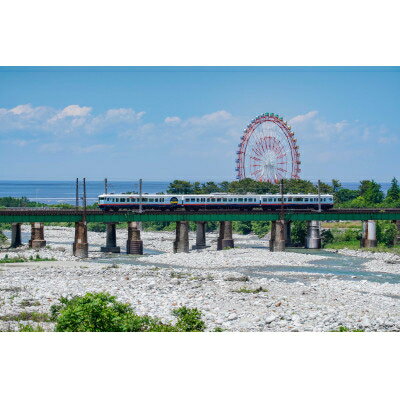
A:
[96,227]
[327,237]
[3,237]
[260,228]
[386,232]
[242,227]
[298,233]
[101,312]
[189,320]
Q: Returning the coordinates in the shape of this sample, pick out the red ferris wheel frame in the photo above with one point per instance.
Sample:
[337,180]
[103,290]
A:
[270,144]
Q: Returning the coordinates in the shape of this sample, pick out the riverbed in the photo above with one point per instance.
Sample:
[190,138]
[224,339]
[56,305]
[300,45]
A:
[301,290]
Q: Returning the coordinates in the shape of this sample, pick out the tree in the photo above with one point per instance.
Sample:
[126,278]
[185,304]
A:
[343,195]
[393,193]
[371,192]
[336,185]
[180,187]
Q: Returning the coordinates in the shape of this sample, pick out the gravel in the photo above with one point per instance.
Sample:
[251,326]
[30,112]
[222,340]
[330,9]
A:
[208,280]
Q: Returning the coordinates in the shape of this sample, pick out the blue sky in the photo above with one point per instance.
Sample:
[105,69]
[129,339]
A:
[171,123]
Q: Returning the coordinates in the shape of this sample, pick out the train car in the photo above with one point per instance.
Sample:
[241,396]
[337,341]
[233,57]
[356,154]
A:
[212,201]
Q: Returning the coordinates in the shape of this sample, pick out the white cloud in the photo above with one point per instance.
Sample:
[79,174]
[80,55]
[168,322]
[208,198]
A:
[22,109]
[73,110]
[218,116]
[93,148]
[303,117]
[172,120]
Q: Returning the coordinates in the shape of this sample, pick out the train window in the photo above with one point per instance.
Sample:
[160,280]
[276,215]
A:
[187,200]
[245,200]
[193,200]
[290,199]
[224,200]
[161,200]
[203,200]
[306,199]
[156,200]
[230,200]
[144,200]
[285,199]
[117,200]
[218,200]
[213,200]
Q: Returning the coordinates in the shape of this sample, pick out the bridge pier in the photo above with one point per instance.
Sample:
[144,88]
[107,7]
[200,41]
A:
[227,240]
[313,240]
[397,238]
[277,242]
[200,236]
[16,239]
[37,236]
[111,239]
[80,248]
[181,243]
[134,245]
[220,235]
[370,239]
[288,233]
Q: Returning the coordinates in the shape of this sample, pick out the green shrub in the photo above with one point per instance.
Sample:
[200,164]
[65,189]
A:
[101,312]
[298,233]
[327,237]
[189,320]
[3,237]
[260,228]
[96,227]
[30,328]
[242,227]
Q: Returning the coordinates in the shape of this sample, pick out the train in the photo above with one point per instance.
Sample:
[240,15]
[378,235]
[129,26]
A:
[213,201]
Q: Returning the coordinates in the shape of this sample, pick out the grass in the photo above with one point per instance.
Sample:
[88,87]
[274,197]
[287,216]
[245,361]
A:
[345,329]
[247,290]
[8,260]
[346,224]
[27,316]
[179,275]
[29,303]
[355,245]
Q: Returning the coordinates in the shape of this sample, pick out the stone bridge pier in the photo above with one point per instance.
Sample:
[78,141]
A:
[225,238]
[181,243]
[200,236]
[37,236]
[16,238]
[111,239]
[134,244]
[277,241]
[80,248]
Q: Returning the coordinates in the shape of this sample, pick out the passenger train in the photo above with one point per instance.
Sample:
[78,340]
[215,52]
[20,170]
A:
[114,202]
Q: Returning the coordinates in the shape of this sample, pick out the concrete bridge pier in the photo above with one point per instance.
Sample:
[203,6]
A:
[37,236]
[181,243]
[288,233]
[16,239]
[397,238]
[370,240]
[80,247]
[200,236]
[277,242]
[364,233]
[313,239]
[134,245]
[227,240]
[111,239]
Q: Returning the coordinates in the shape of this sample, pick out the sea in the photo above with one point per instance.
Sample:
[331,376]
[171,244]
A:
[57,192]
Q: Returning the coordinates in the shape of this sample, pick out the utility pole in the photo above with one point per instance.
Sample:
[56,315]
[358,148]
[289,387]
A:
[77,194]
[105,186]
[319,195]
[140,200]
[84,199]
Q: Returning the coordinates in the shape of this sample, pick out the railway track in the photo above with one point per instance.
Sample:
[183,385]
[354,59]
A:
[61,211]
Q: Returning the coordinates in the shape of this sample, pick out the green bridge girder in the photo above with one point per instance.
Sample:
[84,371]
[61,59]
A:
[197,216]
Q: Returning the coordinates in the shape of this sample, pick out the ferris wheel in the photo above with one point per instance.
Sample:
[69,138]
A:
[268,150]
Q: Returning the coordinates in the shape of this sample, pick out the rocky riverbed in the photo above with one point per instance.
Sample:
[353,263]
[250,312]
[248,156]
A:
[244,289]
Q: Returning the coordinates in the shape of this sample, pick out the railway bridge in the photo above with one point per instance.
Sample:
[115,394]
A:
[280,232]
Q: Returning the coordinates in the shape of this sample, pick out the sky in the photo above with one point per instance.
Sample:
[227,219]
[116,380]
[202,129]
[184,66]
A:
[170,123]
